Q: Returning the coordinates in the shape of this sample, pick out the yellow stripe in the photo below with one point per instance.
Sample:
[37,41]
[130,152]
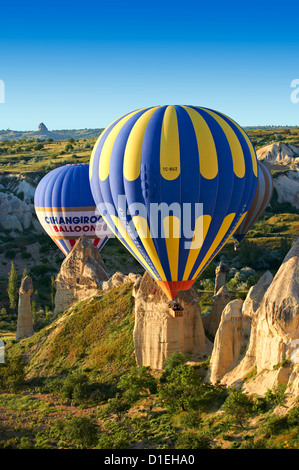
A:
[144,234]
[217,240]
[170,145]
[172,230]
[104,164]
[221,234]
[208,160]
[95,147]
[118,224]
[201,228]
[235,146]
[132,157]
[251,147]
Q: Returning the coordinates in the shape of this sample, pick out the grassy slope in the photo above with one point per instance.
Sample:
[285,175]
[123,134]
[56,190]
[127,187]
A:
[95,335]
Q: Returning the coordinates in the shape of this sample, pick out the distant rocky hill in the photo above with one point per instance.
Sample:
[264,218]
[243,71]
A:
[43,133]
[279,153]
[283,160]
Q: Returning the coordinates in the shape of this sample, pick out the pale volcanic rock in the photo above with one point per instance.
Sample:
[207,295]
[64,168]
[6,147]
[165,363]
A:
[25,320]
[158,334]
[272,348]
[278,152]
[81,275]
[119,278]
[228,341]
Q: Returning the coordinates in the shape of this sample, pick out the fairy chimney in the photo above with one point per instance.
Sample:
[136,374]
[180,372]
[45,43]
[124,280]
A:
[25,320]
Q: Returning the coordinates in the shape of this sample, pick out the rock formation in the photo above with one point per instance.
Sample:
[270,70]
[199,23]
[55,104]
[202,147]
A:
[220,277]
[14,213]
[287,187]
[157,333]
[25,320]
[81,275]
[119,278]
[221,298]
[284,159]
[42,128]
[265,331]
[278,152]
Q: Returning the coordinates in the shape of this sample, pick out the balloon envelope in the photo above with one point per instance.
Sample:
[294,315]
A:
[153,167]
[260,202]
[66,209]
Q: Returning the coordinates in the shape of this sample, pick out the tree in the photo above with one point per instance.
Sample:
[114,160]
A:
[184,390]
[238,405]
[25,273]
[12,288]
[136,381]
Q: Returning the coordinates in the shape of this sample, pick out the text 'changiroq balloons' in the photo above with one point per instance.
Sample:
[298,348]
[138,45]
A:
[66,209]
[173,183]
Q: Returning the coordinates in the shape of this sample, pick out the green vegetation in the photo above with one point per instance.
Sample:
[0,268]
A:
[12,288]
[75,383]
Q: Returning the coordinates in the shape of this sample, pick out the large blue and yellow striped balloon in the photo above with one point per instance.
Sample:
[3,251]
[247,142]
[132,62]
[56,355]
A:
[179,155]
[66,209]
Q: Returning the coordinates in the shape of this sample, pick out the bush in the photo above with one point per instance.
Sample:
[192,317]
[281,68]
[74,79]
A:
[135,382]
[238,405]
[191,419]
[82,431]
[273,425]
[193,440]
[38,147]
[12,373]
[293,417]
[185,390]
[173,361]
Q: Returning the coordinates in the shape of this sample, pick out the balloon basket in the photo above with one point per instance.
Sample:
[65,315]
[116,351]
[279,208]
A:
[176,313]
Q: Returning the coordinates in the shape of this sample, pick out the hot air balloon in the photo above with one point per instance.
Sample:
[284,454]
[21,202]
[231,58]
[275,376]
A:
[260,202]
[66,209]
[152,168]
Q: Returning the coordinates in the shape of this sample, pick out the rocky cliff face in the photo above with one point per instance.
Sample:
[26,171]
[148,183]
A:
[81,275]
[16,204]
[278,152]
[261,335]
[281,157]
[158,333]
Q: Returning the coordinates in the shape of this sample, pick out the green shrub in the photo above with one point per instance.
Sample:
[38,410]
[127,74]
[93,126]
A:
[238,405]
[12,373]
[273,425]
[193,440]
[191,419]
[10,254]
[80,431]
[185,390]
[293,417]
[136,382]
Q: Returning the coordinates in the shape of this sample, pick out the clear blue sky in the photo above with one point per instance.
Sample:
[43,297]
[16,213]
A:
[78,65]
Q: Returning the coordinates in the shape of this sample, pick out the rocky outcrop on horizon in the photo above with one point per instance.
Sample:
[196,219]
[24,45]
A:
[81,275]
[158,333]
[260,337]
